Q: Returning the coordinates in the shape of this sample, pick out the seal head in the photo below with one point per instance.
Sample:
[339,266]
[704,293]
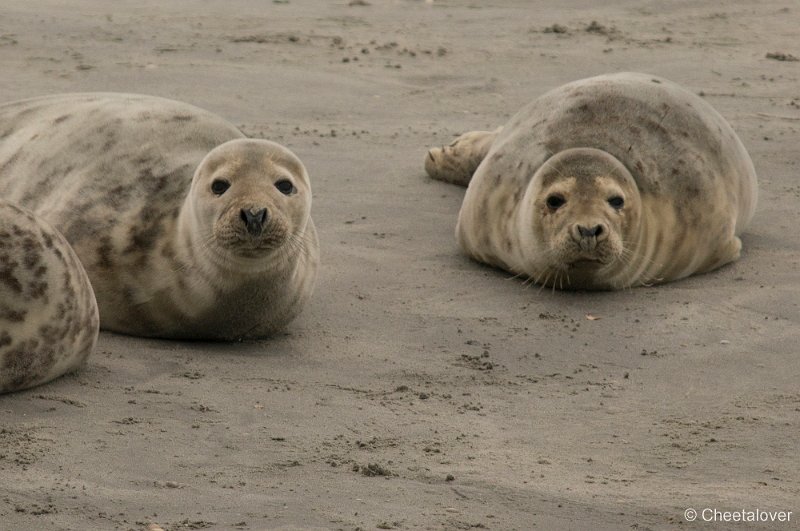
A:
[245,237]
[249,199]
[583,207]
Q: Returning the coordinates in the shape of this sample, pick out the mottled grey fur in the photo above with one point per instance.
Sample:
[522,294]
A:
[48,314]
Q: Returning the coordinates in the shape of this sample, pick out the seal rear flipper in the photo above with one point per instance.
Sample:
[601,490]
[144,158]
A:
[457,162]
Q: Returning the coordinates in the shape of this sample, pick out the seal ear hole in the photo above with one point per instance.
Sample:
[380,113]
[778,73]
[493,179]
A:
[555,201]
[220,186]
[285,187]
[616,202]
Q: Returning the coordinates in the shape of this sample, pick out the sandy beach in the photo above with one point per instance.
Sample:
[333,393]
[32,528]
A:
[420,389]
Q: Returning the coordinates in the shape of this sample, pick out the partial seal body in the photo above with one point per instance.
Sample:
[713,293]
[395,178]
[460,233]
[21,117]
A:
[48,314]
[186,228]
[604,183]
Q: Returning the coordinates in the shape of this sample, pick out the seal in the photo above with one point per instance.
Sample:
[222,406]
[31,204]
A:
[48,314]
[187,229]
[605,183]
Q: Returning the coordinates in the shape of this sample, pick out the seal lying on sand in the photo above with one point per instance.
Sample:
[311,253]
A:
[604,183]
[48,313]
[186,228]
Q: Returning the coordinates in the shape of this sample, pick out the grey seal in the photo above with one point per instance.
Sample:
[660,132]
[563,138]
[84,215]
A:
[608,182]
[186,228]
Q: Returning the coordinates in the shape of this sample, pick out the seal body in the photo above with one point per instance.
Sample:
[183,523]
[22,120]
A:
[186,228]
[604,183]
[48,313]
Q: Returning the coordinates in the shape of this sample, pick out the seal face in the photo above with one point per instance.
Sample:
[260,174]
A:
[48,313]
[249,199]
[583,207]
[604,183]
[186,228]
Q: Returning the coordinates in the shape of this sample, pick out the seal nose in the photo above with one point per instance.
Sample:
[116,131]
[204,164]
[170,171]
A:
[588,236]
[254,219]
[590,232]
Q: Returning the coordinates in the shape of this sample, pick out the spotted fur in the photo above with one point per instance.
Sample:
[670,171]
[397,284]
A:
[688,183]
[48,313]
[126,178]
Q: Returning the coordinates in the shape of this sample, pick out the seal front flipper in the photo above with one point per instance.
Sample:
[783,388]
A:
[457,162]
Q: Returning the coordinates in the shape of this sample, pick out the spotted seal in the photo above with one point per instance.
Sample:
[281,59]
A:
[186,228]
[605,183]
[48,313]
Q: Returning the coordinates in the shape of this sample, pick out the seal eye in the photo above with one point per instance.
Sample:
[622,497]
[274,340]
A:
[219,186]
[616,202]
[555,201]
[285,187]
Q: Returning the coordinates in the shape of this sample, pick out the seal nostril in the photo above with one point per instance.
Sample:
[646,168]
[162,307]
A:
[589,232]
[254,219]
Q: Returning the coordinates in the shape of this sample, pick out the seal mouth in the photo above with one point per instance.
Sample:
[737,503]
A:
[252,245]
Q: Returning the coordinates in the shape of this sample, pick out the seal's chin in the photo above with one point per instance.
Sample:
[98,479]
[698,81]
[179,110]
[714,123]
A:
[587,263]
